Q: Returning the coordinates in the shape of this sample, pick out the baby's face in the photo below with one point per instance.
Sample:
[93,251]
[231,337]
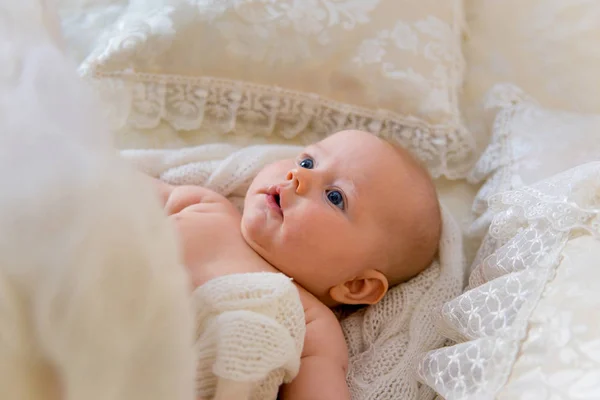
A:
[320,218]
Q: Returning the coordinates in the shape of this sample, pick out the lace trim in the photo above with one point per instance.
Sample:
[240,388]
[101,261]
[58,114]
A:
[225,106]
[498,162]
[517,258]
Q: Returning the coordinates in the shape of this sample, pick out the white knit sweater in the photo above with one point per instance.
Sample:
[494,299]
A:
[250,335]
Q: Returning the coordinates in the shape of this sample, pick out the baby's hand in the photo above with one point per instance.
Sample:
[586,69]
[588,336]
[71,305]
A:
[208,226]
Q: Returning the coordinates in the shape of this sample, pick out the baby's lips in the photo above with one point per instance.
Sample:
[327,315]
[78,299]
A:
[278,190]
[274,190]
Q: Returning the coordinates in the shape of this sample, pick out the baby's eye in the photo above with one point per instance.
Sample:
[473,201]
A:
[307,163]
[336,198]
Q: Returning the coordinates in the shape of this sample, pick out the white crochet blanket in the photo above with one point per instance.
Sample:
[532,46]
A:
[385,341]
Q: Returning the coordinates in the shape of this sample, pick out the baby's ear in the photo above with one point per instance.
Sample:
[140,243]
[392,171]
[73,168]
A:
[367,288]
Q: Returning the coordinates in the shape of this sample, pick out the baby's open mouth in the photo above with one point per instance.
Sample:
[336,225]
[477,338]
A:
[274,198]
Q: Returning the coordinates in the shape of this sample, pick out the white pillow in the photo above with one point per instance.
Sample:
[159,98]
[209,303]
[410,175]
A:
[519,256]
[528,143]
[547,47]
[293,70]
[560,358]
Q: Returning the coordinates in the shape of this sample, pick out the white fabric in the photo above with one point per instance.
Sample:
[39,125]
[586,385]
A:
[384,340]
[547,47]
[529,143]
[251,331]
[457,197]
[223,168]
[560,358]
[84,21]
[516,260]
[93,302]
[291,70]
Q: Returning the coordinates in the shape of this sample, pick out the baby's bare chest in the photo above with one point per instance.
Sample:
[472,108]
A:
[212,244]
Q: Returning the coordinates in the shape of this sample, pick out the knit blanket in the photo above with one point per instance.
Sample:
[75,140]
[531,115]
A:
[386,340]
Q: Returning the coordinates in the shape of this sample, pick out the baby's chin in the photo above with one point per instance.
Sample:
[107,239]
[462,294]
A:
[247,233]
[254,236]
[261,240]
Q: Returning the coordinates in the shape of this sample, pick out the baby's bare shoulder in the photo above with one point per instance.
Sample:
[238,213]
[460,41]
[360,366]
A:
[324,336]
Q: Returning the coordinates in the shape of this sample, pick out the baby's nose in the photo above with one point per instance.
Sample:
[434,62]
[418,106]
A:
[299,179]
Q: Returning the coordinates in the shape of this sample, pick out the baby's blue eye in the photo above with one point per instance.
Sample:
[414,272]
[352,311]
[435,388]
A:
[307,163]
[336,198]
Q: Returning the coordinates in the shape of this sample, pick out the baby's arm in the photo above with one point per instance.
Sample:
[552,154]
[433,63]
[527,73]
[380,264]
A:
[176,198]
[324,360]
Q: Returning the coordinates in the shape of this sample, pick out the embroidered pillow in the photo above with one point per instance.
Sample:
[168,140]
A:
[292,70]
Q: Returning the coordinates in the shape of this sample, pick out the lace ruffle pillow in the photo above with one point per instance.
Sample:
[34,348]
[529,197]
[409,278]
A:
[547,47]
[560,358]
[516,338]
[528,221]
[529,143]
[292,70]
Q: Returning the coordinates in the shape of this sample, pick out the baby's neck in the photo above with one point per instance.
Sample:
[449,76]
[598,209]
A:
[256,261]
[305,296]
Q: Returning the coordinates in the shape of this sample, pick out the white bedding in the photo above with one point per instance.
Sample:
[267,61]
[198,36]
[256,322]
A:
[84,21]
[494,322]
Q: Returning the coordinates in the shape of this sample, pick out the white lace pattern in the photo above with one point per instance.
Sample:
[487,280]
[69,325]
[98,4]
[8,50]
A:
[529,143]
[518,257]
[294,69]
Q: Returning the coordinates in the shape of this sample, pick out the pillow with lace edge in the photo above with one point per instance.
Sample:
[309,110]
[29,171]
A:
[292,71]
[528,143]
[519,255]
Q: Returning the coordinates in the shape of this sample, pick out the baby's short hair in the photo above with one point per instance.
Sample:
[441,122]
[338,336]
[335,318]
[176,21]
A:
[423,221]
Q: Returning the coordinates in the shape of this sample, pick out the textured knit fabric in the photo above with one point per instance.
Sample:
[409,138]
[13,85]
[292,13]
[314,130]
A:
[250,330]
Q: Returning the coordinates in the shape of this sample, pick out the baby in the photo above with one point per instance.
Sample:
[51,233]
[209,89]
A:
[348,218]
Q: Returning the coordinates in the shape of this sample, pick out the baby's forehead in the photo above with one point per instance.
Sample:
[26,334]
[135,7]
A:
[366,151]
[370,162]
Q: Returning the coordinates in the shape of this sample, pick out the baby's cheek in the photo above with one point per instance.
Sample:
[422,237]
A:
[310,233]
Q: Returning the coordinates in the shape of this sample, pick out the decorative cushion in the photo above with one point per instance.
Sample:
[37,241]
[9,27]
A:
[528,143]
[292,70]
[560,358]
[519,256]
[547,47]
